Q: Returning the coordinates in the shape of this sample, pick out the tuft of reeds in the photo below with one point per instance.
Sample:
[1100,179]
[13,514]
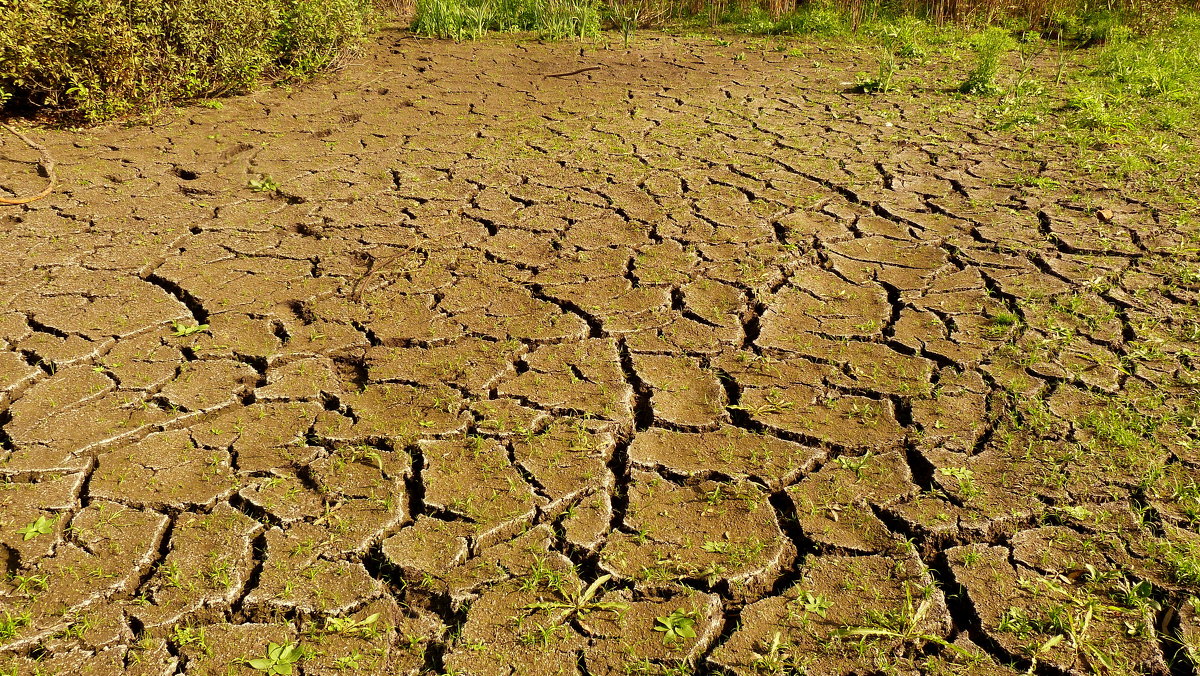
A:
[470,19]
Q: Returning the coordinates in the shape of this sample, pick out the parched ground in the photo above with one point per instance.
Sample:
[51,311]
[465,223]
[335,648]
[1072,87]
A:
[694,363]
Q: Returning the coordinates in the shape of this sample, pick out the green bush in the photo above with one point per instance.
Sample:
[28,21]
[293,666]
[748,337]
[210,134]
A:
[94,59]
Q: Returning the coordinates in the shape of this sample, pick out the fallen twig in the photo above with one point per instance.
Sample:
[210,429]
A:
[377,265]
[574,72]
[47,163]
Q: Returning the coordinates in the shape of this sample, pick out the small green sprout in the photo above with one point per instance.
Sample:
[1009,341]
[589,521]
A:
[279,659]
[814,603]
[42,526]
[679,624]
[264,184]
[349,625]
[12,623]
[180,330]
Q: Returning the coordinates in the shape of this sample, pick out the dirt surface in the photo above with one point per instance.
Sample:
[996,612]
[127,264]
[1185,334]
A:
[692,363]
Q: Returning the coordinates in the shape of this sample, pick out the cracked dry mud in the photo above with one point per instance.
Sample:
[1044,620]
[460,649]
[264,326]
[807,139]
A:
[808,371]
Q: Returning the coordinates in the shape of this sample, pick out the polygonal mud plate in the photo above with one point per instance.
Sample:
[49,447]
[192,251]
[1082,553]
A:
[379,638]
[586,523]
[474,480]
[207,385]
[113,543]
[305,378]
[835,506]
[296,578]
[208,562]
[652,634]
[522,602]
[506,417]
[472,363]
[34,517]
[164,471]
[575,378]
[846,615]
[146,658]
[731,452]
[226,649]
[403,411]
[1022,610]
[681,393]
[714,534]
[530,554]
[568,459]
[425,551]
[508,632]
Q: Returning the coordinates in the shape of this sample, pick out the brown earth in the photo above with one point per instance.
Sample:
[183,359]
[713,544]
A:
[395,365]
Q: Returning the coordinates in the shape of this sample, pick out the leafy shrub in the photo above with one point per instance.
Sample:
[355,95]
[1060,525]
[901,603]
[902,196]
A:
[94,59]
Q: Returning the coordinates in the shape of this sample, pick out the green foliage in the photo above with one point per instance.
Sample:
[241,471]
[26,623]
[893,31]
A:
[181,330]
[814,603]
[95,59]
[989,45]
[471,19]
[1162,67]
[264,184]
[814,18]
[907,37]
[1090,26]
[12,623]
[582,602]
[280,659]
[1149,82]
[42,526]
[679,624]
[885,75]
[626,16]
[364,628]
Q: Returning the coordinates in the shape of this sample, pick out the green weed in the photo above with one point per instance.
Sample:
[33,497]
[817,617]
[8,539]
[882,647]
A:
[348,626]
[12,623]
[815,18]
[42,526]
[678,625]
[881,83]
[280,659]
[815,604]
[583,602]
[990,46]
[181,330]
[263,184]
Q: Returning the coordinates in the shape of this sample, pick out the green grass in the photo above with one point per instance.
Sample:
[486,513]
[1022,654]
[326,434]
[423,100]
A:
[810,19]
[1131,114]
[471,19]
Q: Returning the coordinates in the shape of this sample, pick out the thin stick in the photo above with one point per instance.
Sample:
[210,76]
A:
[574,72]
[47,163]
[377,266]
